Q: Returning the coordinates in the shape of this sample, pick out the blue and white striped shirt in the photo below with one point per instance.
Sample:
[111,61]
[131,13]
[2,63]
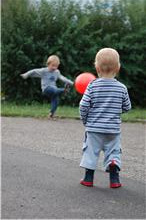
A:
[102,104]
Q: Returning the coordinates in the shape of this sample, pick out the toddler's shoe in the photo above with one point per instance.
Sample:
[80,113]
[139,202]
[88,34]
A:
[114,176]
[51,115]
[88,179]
[67,88]
[85,183]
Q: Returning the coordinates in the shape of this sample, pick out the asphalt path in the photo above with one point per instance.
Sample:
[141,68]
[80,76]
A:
[40,173]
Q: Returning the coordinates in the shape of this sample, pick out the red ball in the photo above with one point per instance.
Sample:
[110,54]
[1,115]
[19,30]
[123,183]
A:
[82,81]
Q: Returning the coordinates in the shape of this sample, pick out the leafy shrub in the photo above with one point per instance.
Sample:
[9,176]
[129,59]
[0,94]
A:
[30,33]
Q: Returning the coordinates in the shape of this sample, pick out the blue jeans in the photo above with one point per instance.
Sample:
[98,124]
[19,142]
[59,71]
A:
[94,143]
[53,93]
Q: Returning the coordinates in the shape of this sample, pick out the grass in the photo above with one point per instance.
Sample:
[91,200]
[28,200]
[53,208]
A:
[36,110]
[41,110]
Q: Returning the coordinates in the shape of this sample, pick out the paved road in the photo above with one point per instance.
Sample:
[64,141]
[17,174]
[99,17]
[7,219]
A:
[63,139]
[40,173]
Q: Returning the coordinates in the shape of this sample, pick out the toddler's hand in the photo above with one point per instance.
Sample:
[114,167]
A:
[24,76]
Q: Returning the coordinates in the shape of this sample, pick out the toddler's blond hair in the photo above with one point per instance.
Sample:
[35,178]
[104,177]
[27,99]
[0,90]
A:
[108,61]
[53,59]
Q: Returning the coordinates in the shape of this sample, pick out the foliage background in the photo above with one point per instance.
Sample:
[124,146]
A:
[31,32]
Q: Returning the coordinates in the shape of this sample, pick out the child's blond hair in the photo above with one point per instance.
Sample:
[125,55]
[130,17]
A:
[107,60]
[53,59]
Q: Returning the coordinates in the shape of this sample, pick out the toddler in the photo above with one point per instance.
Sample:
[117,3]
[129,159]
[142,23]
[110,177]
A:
[49,75]
[100,108]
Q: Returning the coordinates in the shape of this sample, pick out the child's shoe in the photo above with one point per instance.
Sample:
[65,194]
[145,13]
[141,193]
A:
[88,179]
[86,183]
[52,116]
[67,88]
[114,176]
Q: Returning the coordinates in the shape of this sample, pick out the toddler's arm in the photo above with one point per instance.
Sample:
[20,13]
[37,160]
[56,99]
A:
[64,79]
[85,105]
[33,73]
[126,105]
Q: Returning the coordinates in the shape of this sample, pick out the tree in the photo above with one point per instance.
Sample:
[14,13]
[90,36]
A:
[32,32]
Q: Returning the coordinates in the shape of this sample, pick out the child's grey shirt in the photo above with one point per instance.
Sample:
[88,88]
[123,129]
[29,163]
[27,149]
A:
[102,104]
[48,78]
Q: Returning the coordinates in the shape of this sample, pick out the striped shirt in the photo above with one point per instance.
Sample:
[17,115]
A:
[102,104]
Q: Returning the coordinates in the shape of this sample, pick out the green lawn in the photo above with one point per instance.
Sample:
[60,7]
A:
[41,110]
[37,110]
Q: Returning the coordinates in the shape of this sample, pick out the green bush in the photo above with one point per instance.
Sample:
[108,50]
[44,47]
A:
[31,32]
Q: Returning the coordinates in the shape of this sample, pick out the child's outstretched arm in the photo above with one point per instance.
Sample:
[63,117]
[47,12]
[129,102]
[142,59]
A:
[64,79]
[126,105]
[85,105]
[33,73]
